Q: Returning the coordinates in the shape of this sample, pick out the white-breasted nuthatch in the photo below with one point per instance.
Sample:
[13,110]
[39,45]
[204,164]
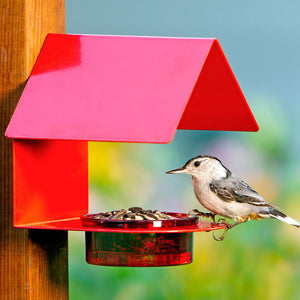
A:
[224,194]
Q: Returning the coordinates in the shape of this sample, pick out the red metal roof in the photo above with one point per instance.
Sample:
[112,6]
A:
[129,89]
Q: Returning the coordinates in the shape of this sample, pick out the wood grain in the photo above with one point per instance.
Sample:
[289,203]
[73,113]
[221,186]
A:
[33,263]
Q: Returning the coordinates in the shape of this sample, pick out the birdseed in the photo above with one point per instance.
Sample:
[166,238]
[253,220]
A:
[133,213]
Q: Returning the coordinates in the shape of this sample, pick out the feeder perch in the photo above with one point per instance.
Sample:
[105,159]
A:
[118,89]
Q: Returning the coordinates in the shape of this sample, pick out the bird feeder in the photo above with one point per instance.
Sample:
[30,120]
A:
[117,89]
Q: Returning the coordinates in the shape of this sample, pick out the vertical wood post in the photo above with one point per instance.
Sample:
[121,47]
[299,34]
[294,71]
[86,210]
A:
[33,263]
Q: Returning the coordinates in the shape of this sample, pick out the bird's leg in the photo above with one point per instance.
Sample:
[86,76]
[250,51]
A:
[203,214]
[228,226]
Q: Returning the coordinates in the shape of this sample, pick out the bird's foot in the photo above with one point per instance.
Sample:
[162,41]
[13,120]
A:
[228,226]
[203,214]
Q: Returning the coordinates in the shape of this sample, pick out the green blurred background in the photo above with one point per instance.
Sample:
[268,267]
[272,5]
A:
[257,260]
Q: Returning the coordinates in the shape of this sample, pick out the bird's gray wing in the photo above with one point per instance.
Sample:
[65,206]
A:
[235,189]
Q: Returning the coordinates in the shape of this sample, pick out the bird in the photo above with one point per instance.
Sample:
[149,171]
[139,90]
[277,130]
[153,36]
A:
[224,194]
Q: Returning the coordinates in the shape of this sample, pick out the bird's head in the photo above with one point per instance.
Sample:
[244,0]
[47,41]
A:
[203,166]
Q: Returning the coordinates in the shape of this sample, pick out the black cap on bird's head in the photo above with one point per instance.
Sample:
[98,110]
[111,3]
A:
[200,163]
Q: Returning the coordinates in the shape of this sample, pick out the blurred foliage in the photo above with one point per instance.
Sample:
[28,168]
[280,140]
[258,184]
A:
[273,137]
[257,260]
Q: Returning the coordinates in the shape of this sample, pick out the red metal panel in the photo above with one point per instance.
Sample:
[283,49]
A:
[129,89]
[217,102]
[50,180]
[76,224]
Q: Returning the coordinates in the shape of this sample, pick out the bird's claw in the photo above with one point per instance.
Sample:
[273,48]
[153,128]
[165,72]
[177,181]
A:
[221,220]
[203,214]
[228,226]
[221,238]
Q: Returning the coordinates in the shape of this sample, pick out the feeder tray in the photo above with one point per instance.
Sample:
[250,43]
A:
[143,243]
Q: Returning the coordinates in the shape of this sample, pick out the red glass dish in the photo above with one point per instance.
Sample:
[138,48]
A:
[182,219]
[139,249]
[155,246]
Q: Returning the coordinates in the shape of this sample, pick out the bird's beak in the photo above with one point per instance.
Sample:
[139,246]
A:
[178,171]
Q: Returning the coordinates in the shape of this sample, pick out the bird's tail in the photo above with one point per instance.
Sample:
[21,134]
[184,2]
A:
[282,217]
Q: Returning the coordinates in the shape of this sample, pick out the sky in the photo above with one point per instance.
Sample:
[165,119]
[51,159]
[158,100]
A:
[260,38]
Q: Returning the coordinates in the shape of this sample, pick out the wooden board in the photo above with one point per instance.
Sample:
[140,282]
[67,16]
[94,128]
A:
[33,263]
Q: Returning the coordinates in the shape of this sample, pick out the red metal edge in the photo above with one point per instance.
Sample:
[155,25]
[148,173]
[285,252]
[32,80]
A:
[224,107]
[75,224]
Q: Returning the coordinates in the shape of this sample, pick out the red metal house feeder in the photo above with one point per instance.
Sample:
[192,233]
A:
[120,89]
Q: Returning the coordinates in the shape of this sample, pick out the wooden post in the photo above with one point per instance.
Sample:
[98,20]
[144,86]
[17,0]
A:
[33,263]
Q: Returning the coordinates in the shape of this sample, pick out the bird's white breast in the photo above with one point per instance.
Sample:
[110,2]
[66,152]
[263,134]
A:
[213,203]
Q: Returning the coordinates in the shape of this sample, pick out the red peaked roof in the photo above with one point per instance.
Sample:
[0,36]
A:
[129,89]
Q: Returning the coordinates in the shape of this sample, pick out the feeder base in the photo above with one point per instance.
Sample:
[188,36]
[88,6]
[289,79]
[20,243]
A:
[139,249]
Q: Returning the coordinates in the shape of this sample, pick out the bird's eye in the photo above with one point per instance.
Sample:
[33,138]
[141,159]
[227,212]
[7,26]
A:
[197,163]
